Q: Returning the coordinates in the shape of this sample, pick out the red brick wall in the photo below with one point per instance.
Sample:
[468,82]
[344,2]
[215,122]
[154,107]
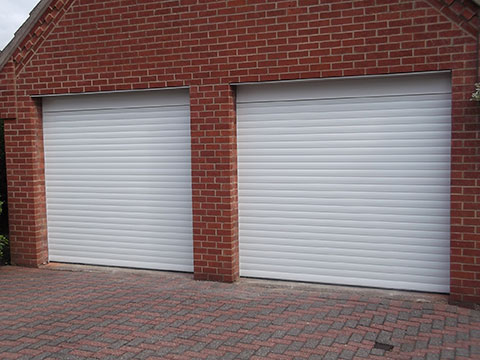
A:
[214,182]
[93,45]
[26,184]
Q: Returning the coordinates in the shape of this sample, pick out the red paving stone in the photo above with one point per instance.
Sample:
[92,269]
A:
[75,312]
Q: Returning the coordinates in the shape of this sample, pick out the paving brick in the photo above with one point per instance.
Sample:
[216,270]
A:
[435,341]
[338,325]
[347,354]
[379,319]
[421,344]
[475,349]
[438,324]
[425,327]
[407,347]
[412,330]
[447,354]
[462,352]
[296,346]
[312,343]
[384,336]
[362,353]
[356,337]
[365,321]
[342,339]
[327,341]
[377,352]
[331,356]
[170,316]
[263,351]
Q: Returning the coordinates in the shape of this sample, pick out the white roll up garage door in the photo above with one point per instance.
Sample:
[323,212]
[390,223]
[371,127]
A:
[118,179]
[346,181]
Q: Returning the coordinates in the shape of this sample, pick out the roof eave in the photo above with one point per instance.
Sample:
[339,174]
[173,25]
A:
[22,32]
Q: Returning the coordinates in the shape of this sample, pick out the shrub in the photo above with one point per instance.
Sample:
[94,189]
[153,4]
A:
[476,93]
[3,184]
[4,245]
[4,250]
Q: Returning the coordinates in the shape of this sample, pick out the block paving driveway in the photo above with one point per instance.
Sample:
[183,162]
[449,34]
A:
[74,312]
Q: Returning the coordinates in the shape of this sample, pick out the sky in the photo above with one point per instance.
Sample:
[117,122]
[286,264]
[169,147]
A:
[12,15]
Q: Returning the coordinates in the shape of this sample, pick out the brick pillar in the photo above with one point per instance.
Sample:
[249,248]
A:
[465,191]
[214,182]
[26,184]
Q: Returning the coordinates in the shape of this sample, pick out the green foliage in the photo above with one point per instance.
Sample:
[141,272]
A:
[4,245]
[4,250]
[476,93]
[3,185]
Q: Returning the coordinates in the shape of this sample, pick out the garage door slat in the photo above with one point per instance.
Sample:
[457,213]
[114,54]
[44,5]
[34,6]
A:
[118,179]
[344,186]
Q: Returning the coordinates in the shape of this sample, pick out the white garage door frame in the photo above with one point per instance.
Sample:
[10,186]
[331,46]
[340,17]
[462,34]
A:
[118,179]
[346,180]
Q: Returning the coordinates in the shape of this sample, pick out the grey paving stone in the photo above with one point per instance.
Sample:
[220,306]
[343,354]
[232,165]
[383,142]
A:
[452,322]
[279,348]
[407,347]
[362,353]
[384,336]
[347,354]
[438,324]
[338,325]
[412,330]
[462,352]
[245,354]
[263,351]
[346,311]
[296,346]
[330,356]
[435,341]
[447,354]
[323,327]
[311,343]
[327,341]
[342,339]
[355,337]
[421,344]
[475,333]
[425,327]
[294,332]
[377,352]
[42,356]
[351,323]
[475,349]
[364,321]
[398,333]
[432,356]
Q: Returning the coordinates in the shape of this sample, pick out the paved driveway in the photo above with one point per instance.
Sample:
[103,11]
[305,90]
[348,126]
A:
[102,313]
